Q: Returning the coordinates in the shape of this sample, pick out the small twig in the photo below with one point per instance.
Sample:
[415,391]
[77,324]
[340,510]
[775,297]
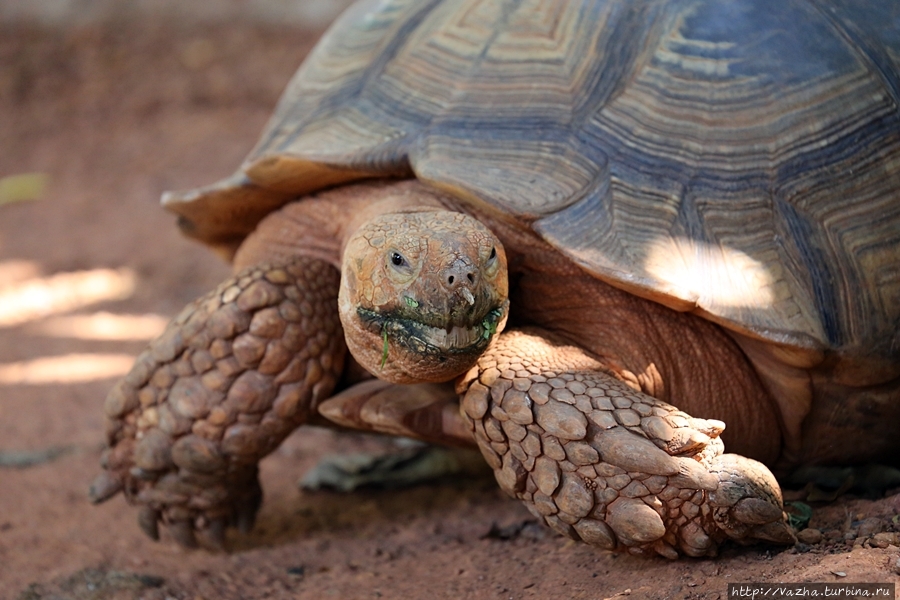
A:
[22,459]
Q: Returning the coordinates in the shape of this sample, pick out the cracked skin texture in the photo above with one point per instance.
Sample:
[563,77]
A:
[568,406]
[452,276]
[232,375]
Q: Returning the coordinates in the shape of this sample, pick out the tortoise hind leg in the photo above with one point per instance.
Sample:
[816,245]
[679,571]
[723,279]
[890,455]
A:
[228,380]
[426,411]
[601,462]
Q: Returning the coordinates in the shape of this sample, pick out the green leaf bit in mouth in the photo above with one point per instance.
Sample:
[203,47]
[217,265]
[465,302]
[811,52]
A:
[490,322]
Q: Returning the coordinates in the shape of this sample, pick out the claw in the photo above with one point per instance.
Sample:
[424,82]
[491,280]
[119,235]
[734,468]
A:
[148,520]
[777,533]
[183,532]
[139,473]
[245,519]
[215,534]
[104,487]
[747,504]
[247,507]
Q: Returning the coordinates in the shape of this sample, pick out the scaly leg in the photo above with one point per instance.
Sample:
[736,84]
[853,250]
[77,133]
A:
[424,411]
[601,462]
[228,380]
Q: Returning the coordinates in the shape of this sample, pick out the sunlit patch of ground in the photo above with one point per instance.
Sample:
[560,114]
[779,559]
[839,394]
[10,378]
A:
[41,303]
[102,326]
[70,368]
[40,297]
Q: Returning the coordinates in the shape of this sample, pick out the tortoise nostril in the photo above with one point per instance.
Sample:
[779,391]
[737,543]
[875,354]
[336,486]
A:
[452,278]
[460,273]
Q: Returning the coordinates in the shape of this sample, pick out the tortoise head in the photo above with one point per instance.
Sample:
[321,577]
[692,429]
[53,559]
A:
[422,294]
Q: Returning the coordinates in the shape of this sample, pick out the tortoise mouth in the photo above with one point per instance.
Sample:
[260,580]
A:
[424,339]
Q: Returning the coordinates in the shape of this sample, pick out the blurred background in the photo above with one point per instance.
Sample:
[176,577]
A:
[105,105]
[311,14]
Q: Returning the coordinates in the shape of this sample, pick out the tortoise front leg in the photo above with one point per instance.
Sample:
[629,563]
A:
[228,380]
[601,462]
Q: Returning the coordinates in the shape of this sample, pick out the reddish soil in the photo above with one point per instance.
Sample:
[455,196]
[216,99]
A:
[115,115]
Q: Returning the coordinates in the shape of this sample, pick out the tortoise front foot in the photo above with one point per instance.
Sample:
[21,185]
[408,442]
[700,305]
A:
[228,380]
[603,463]
[186,502]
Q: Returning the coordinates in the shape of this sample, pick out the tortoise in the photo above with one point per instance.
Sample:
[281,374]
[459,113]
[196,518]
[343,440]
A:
[583,236]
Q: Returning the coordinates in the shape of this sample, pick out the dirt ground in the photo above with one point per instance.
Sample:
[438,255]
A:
[108,118]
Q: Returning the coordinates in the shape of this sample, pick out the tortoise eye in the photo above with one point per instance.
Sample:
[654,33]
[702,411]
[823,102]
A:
[397,259]
[491,265]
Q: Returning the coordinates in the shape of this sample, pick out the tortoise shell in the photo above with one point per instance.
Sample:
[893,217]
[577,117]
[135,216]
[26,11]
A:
[737,159]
